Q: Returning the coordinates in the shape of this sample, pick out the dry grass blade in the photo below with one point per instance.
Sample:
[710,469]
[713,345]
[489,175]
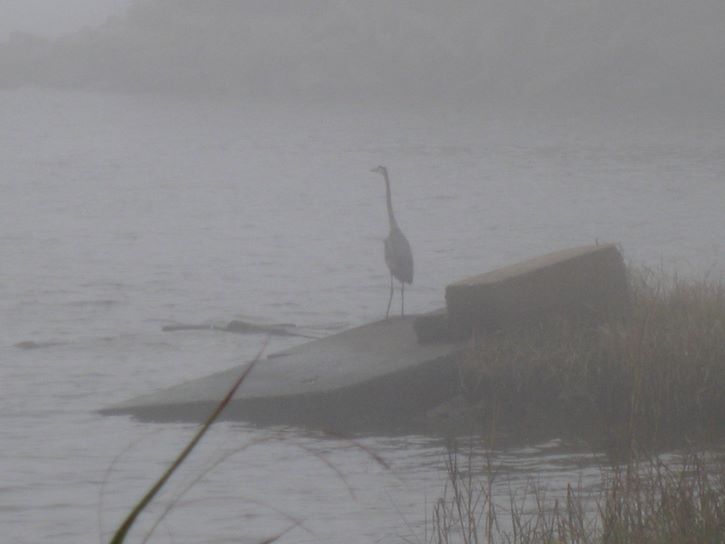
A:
[297,523]
[169,507]
[122,531]
[106,478]
[275,538]
[652,502]
[362,447]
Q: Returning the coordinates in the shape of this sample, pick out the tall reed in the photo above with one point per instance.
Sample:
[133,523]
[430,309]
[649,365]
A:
[660,371]
[654,379]
[120,536]
[650,502]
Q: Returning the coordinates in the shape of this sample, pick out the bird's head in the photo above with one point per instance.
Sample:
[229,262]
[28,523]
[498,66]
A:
[380,170]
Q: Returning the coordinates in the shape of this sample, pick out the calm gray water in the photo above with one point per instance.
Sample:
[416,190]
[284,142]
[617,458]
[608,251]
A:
[121,214]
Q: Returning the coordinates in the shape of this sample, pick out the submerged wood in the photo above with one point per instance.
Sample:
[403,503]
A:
[243,327]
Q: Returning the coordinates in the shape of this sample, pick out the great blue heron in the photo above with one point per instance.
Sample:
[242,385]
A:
[398,256]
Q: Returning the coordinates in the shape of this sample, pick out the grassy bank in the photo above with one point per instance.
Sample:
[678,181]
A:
[655,377]
[648,502]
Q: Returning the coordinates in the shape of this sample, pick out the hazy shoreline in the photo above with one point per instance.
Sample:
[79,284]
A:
[621,59]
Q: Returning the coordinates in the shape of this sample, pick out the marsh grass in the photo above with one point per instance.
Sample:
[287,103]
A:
[662,505]
[641,502]
[655,379]
[660,371]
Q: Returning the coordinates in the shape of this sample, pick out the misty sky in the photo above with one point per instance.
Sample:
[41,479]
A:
[52,18]
[616,56]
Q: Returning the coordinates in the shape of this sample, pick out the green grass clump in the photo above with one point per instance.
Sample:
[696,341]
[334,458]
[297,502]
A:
[659,372]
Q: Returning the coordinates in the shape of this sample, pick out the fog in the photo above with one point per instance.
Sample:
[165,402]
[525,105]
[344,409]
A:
[52,19]
[592,55]
[171,167]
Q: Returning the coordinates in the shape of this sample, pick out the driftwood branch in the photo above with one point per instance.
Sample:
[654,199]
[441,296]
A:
[243,327]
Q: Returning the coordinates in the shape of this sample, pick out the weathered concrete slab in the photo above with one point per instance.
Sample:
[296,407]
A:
[384,375]
[433,327]
[583,283]
[369,376]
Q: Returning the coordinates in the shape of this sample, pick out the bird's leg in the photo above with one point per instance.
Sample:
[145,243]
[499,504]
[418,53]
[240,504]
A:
[402,299]
[390,299]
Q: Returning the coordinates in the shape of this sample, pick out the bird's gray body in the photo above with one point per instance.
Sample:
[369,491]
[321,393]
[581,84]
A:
[398,255]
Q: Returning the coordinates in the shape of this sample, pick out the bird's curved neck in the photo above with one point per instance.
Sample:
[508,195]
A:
[391,216]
